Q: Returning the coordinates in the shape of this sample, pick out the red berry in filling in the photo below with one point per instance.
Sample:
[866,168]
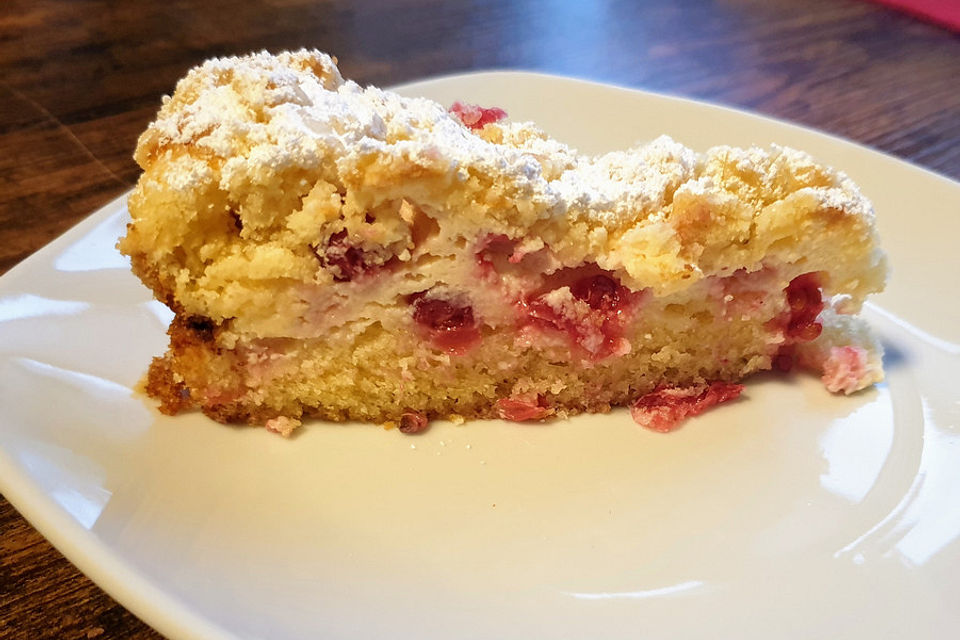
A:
[441,315]
[664,409]
[450,326]
[598,328]
[806,303]
[804,332]
[799,322]
[412,421]
[495,244]
[543,315]
[491,247]
[476,117]
[347,260]
[600,292]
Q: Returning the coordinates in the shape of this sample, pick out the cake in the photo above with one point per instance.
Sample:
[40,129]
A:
[344,253]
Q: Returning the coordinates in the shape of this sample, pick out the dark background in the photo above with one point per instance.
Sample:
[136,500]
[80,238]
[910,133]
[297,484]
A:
[80,79]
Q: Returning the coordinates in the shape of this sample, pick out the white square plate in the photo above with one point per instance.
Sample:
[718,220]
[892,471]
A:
[790,514]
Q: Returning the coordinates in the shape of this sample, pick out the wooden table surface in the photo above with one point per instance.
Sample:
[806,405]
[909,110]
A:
[80,79]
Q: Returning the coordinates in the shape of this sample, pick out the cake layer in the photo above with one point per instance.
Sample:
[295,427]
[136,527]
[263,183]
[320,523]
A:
[347,253]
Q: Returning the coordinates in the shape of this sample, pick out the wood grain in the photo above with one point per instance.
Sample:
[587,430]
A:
[79,80]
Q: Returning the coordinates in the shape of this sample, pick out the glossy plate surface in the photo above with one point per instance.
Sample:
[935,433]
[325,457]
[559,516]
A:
[790,514]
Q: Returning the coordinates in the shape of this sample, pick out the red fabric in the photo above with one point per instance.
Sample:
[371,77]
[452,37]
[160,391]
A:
[943,12]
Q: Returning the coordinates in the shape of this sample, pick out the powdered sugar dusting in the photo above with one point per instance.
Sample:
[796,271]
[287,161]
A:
[269,113]
[622,184]
[263,112]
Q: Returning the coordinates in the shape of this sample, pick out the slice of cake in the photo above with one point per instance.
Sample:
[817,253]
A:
[348,254]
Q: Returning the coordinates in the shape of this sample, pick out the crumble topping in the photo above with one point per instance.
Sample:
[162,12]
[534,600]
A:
[264,114]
